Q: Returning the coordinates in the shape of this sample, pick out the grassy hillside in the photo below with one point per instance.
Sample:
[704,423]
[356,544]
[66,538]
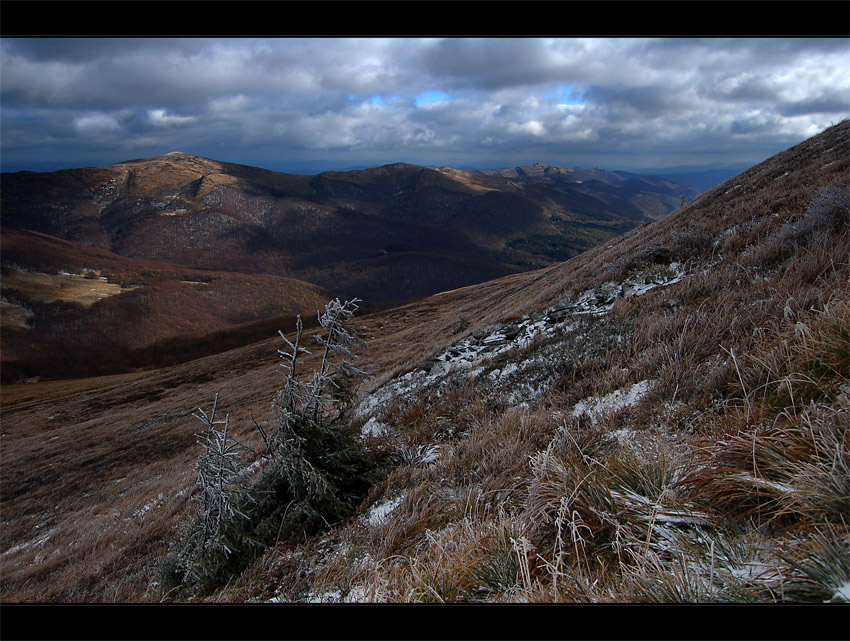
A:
[673,428]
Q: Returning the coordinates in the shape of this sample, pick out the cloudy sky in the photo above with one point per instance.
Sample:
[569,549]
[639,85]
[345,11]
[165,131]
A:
[304,105]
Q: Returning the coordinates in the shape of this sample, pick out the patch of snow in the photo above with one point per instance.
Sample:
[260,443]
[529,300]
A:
[356,594]
[374,427]
[17,548]
[509,369]
[394,388]
[616,400]
[147,507]
[419,455]
[380,513]
[759,481]
[755,571]
[26,544]
[842,594]
[622,435]
[466,356]
[427,454]
[333,596]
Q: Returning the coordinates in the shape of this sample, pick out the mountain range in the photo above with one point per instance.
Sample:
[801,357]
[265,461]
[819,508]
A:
[193,246]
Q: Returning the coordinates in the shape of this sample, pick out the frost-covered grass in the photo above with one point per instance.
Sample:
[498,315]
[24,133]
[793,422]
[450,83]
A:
[674,428]
[616,400]
[478,354]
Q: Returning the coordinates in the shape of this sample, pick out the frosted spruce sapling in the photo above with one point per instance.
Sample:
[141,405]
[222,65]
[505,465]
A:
[312,473]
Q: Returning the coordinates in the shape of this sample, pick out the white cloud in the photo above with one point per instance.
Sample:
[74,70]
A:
[161,118]
[96,124]
[531,127]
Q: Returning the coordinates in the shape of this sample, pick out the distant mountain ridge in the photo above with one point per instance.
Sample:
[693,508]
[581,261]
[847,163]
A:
[329,227]
[653,195]
[573,175]
[380,234]
[701,179]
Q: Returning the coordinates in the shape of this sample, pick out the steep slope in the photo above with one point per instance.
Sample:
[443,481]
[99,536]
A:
[662,418]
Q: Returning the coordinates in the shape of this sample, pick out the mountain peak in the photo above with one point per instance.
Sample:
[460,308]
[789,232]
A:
[180,156]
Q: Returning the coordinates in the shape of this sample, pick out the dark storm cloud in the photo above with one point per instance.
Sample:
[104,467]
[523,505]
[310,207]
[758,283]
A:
[494,63]
[492,102]
[828,102]
[89,49]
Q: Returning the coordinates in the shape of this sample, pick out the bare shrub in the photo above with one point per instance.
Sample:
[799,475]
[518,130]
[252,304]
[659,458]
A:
[828,210]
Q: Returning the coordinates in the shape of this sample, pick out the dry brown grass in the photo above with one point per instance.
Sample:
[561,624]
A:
[81,461]
[739,448]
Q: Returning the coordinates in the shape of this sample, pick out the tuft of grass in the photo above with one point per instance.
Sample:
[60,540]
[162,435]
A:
[799,471]
[810,361]
[497,571]
[821,568]
[821,479]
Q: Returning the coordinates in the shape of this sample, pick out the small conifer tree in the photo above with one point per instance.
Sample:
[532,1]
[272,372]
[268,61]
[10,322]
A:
[313,470]
[221,483]
[309,411]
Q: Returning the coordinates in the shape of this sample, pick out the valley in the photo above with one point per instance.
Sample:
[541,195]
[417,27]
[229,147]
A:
[197,246]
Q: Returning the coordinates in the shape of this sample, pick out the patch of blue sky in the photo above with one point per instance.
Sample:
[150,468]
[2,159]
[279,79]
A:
[378,99]
[430,97]
[567,95]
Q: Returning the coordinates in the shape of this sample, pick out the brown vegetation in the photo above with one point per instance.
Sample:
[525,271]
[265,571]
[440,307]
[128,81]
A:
[155,314]
[725,481]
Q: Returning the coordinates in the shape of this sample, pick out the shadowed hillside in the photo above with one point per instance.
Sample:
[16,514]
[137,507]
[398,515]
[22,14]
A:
[263,243]
[71,310]
[660,419]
